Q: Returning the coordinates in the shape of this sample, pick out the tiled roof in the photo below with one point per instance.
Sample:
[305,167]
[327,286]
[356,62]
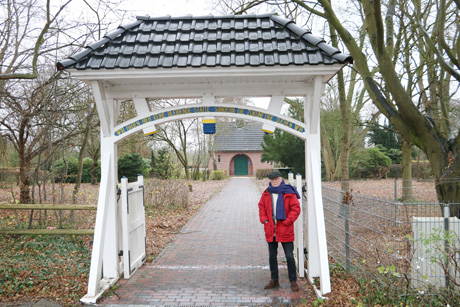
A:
[229,137]
[206,41]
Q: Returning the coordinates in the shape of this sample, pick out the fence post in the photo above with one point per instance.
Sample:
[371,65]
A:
[347,236]
[344,213]
[396,189]
[396,201]
[446,215]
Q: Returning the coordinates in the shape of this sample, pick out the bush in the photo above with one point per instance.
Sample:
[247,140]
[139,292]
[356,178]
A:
[262,173]
[130,166]
[395,171]
[161,164]
[370,163]
[166,194]
[218,175]
[395,155]
[422,170]
[9,175]
[66,170]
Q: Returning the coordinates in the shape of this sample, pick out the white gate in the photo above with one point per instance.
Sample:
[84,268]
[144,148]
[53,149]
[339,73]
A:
[298,227]
[133,225]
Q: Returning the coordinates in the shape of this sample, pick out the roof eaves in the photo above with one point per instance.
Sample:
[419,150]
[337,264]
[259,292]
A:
[90,48]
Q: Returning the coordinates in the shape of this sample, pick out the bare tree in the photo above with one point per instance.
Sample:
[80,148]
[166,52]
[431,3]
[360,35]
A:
[395,26]
[27,119]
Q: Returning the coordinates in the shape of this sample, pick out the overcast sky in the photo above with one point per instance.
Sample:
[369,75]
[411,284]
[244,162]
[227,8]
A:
[157,8]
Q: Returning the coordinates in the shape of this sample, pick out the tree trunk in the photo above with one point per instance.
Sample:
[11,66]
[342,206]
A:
[448,186]
[81,155]
[328,158]
[407,194]
[212,154]
[24,185]
[449,193]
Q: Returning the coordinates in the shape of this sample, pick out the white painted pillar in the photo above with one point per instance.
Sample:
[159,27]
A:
[111,248]
[95,271]
[104,258]
[318,264]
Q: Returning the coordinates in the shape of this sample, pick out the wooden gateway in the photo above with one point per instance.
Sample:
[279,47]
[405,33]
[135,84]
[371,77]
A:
[204,57]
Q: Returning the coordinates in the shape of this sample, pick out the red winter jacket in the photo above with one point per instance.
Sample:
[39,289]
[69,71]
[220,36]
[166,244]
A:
[284,229]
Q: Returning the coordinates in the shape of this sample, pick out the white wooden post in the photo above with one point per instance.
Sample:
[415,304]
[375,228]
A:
[318,265]
[95,271]
[105,241]
[111,248]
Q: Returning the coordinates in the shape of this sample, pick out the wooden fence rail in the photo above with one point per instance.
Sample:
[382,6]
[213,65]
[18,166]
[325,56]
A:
[47,207]
[75,232]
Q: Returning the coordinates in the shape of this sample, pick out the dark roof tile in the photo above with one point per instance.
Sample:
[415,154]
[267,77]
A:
[95,63]
[242,40]
[152,62]
[211,60]
[123,62]
[137,62]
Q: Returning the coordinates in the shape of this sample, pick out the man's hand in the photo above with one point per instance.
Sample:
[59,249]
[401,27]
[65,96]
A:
[265,222]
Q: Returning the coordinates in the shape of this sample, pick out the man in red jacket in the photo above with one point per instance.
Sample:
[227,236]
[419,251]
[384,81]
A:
[278,209]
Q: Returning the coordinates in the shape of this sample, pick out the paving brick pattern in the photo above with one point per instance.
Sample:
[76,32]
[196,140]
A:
[220,258]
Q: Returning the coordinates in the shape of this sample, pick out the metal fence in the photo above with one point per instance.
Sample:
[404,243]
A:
[365,231]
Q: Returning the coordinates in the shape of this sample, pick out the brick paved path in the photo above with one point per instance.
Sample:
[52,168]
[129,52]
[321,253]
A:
[219,259]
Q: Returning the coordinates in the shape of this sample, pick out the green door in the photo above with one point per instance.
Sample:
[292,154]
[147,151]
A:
[241,165]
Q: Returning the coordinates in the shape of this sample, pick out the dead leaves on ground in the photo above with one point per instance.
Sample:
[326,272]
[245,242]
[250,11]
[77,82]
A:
[57,267]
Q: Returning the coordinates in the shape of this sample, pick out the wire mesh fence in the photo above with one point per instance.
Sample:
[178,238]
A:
[416,238]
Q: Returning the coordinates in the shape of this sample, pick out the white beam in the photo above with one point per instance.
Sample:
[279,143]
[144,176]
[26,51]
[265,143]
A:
[141,105]
[320,224]
[164,74]
[274,107]
[315,106]
[208,100]
[111,248]
[318,264]
[312,223]
[102,108]
[95,271]
[187,90]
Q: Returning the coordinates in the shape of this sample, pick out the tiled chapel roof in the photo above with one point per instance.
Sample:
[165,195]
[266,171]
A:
[206,41]
[231,137]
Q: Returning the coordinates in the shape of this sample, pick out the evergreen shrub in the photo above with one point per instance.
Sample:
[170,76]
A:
[131,166]
[370,163]
[66,170]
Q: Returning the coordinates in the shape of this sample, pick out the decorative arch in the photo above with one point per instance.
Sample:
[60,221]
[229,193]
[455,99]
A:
[204,57]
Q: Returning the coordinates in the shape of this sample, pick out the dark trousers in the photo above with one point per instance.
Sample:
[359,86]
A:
[273,259]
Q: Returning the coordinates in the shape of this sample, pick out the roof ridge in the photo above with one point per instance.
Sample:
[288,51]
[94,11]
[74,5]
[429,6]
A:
[189,16]
[312,39]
